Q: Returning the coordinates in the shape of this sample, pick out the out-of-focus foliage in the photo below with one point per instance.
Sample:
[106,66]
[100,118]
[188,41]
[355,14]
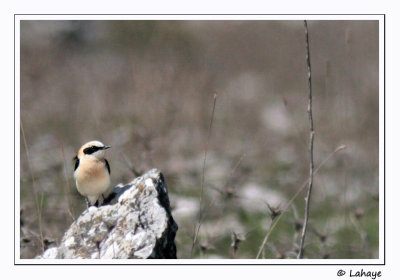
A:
[146,88]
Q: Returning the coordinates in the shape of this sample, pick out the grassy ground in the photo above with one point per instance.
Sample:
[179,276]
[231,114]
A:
[146,88]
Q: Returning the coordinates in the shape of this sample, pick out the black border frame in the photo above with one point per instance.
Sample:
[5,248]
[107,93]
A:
[225,264]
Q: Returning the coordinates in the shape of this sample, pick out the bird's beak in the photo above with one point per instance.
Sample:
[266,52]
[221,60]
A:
[106,147]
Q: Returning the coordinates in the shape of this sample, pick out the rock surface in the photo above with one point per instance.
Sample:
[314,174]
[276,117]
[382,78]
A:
[136,223]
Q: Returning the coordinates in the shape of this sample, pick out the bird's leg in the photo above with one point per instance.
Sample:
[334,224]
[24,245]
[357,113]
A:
[87,203]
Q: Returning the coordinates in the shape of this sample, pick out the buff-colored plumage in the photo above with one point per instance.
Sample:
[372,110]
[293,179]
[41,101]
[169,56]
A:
[92,174]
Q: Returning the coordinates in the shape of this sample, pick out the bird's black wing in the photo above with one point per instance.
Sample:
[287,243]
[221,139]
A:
[76,159]
[108,166]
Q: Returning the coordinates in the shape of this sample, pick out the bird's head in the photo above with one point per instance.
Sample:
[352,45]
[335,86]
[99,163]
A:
[93,149]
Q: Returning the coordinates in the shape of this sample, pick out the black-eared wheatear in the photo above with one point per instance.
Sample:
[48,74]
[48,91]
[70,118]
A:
[92,172]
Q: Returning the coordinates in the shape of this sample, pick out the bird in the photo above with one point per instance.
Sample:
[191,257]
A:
[92,173]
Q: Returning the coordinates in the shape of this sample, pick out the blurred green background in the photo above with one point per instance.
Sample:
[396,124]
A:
[146,88]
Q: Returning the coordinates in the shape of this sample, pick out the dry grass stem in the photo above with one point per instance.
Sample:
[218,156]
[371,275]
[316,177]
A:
[67,185]
[197,227]
[35,193]
[311,148]
[275,222]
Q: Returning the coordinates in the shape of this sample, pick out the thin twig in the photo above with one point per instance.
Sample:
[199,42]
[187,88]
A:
[197,228]
[275,222]
[355,220]
[210,205]
[130,166]
[233,170]
[35,193]
[311,149]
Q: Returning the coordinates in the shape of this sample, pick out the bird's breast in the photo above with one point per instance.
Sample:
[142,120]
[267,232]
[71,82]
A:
[92,177]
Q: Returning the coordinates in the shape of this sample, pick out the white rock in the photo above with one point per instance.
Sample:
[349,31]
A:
[50,254]
[137,224]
